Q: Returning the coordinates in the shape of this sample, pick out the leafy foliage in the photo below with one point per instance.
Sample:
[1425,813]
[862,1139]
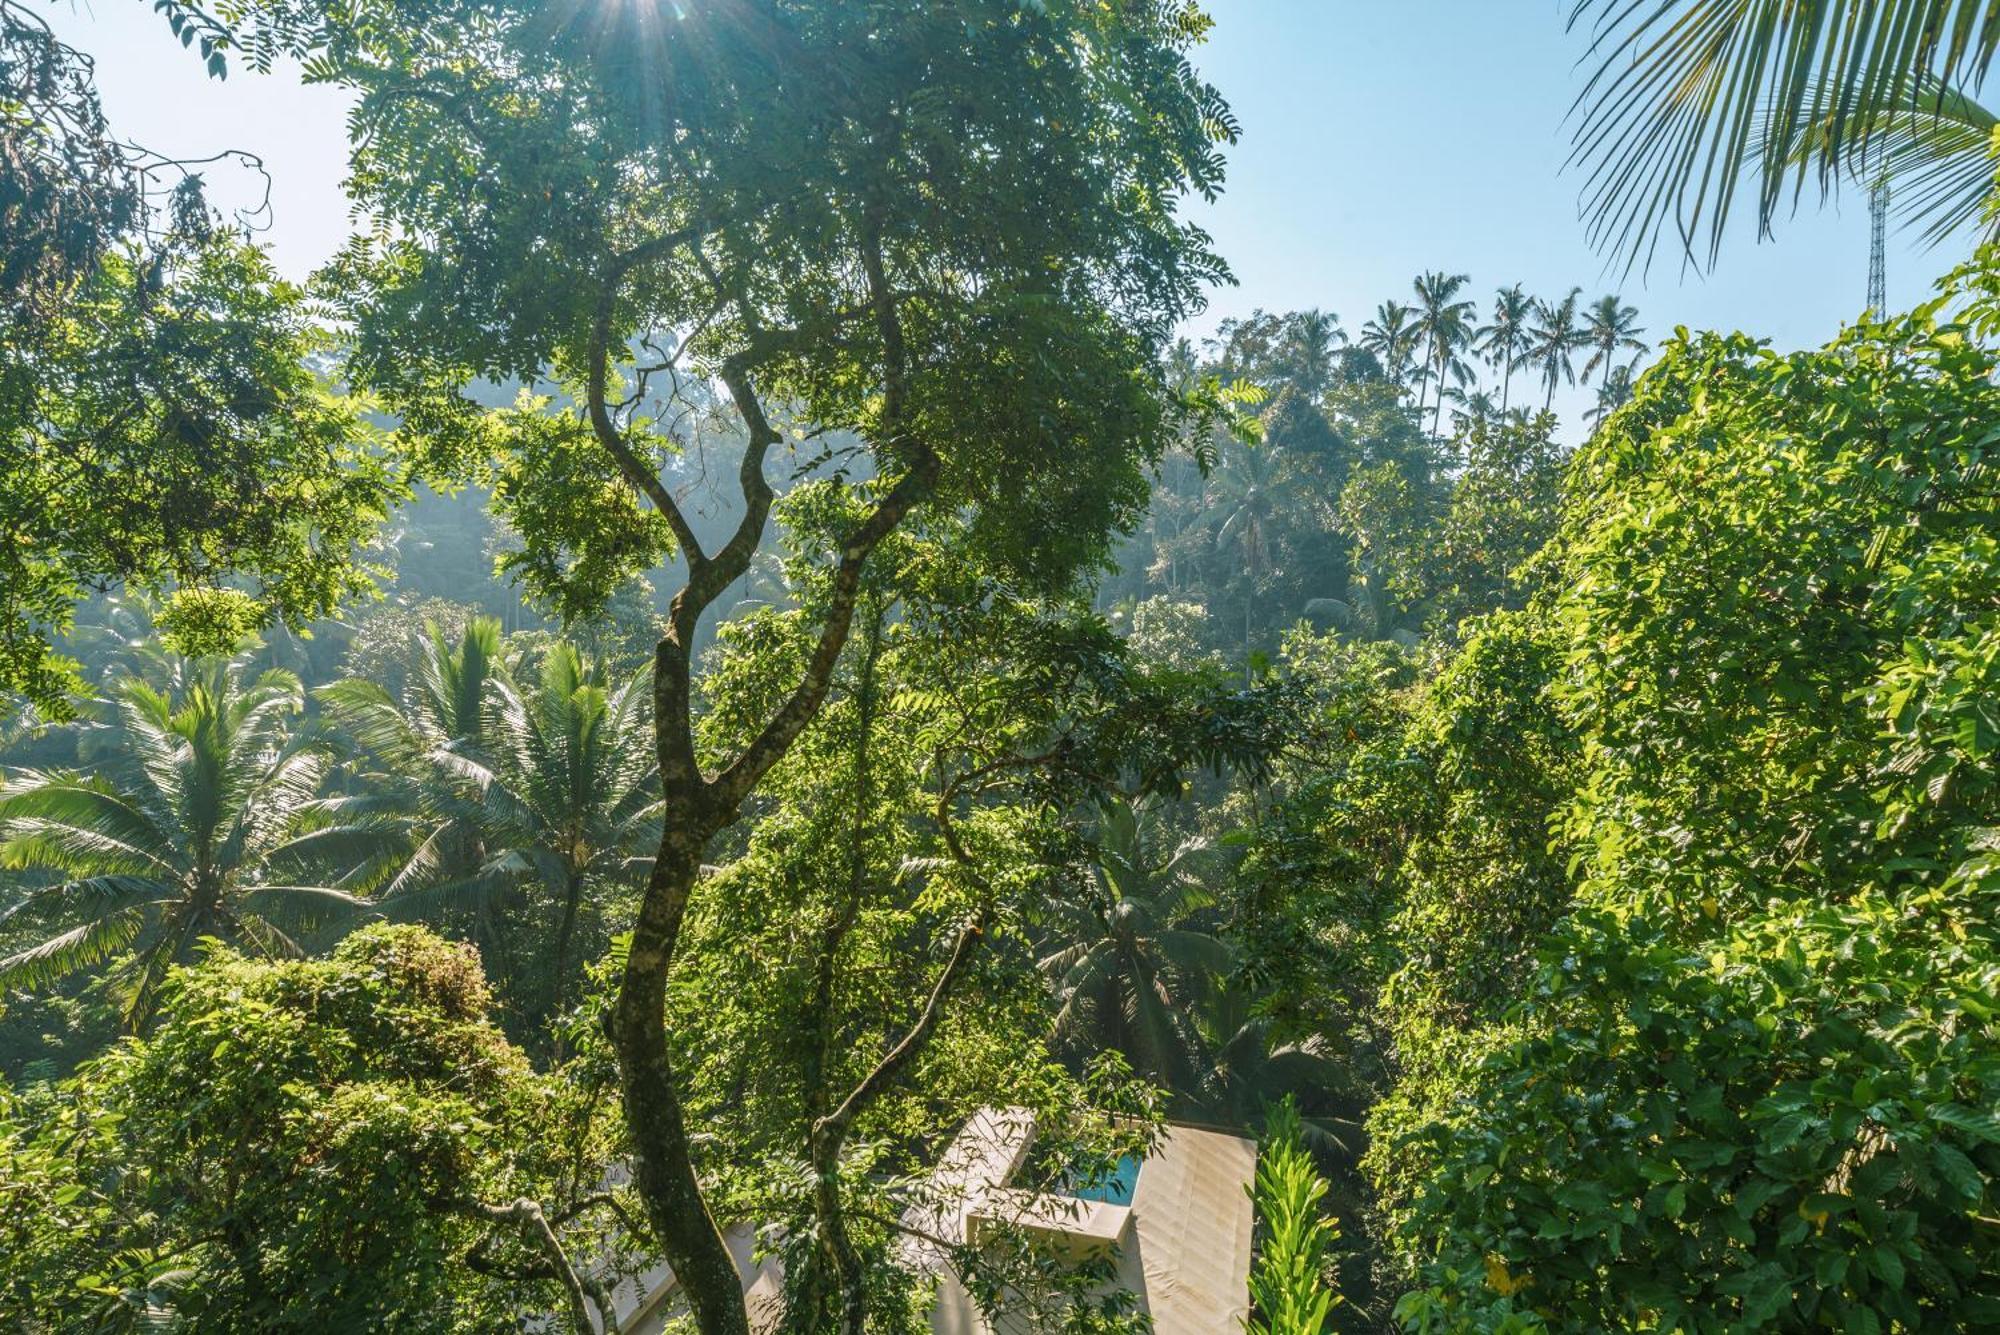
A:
[1288,1286]
[1743,1085]
[296,1145]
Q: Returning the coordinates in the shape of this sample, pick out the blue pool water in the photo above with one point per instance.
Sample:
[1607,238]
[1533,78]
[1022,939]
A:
[1116,1189]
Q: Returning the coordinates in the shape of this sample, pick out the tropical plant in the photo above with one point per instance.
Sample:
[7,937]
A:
[1246,500]
[1693,100]
[1128,962]
[1311,336]
[164,416]
[1445,322]
[412,746]
[1932,156]
[1613,394]
[1392,338]
[1741,1084]
[1610,327]
[211,825]
[1504,340]
[543,793]
[1246,1074]
[1290,1292]
[337,1144]
[1555,337]
[964,268]
[567,792]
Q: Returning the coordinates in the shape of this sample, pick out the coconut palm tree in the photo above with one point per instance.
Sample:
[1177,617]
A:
[211,825]
[1246,1073]
[1246,500]
[524,802]
[1554,338]
[1473,409]
[1310,339]
[1614,394]
[568,789]
[1504,340]
[1445,323]
[407,747]
[1128,964]
[1610,327]
[1392,337]
[1689,98]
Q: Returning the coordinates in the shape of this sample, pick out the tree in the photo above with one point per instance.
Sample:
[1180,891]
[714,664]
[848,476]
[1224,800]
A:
[1691,103]
[344,1144]
[1445,324]
[165,421]
[962,254]
[563,778]
[529,805]
[1312,338]
[1392,337]
[1769,619]
[1555,338]
[1505,340]
[1128,963]
[213,829]
[1614,394]
[1609,328]
[922,833]
[1245,504]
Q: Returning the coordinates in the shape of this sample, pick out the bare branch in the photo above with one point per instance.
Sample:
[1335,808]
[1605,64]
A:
[609,436]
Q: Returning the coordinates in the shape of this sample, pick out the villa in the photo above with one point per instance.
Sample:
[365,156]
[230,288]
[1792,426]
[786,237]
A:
[1176,1223]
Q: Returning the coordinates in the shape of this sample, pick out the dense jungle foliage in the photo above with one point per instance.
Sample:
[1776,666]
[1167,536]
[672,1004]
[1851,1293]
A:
[593,727]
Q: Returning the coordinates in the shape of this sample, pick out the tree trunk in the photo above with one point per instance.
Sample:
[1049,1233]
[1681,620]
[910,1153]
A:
[565,932]
[663,1169]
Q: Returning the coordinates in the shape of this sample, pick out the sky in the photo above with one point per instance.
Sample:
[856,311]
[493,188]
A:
[1381,138]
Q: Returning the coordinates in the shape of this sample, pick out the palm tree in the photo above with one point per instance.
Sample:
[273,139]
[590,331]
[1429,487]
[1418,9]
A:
[1554,338]
[569,789]
[1688,98]
[1446,324]
[1934,150]
[1310,339]
[1392,337]
[1127,964]
[1474,409]
[1610,327]
[213,829]
[1614,394]
[408,745]
[1246,500]
[1504,341]
[535,797]
[1246,1073]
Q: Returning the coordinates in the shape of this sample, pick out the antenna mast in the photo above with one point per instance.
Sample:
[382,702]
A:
[1878,227]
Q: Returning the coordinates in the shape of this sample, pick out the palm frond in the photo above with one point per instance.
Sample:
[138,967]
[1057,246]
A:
[1667,127]
[301,908]
[69,952]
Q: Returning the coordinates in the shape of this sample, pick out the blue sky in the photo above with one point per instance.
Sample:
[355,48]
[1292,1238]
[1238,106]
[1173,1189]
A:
[1381,138]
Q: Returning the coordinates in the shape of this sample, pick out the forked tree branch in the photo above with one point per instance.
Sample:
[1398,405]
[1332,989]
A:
[741,776]
[582,1292]
[646,479]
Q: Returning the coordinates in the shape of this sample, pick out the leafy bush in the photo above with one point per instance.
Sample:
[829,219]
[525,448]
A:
[298,1145]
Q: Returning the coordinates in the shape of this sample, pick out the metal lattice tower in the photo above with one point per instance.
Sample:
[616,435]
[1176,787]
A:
[1878,229]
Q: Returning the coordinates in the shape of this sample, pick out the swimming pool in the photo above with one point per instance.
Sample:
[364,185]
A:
[1115,1189]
